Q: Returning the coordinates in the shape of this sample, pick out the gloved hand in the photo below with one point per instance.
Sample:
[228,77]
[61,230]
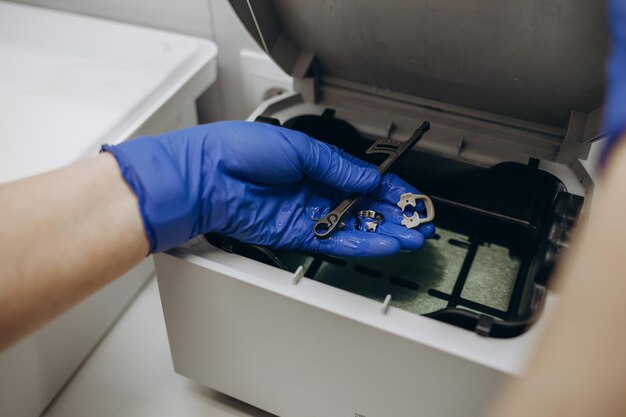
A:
[615,102]
[259,184]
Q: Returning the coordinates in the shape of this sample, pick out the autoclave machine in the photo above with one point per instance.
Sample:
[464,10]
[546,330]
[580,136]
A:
[512,91]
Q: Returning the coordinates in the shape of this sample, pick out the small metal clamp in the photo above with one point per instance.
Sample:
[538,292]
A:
[370,218]
[394,151]
[410,200]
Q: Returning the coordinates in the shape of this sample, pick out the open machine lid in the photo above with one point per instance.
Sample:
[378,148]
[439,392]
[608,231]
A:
[535,60]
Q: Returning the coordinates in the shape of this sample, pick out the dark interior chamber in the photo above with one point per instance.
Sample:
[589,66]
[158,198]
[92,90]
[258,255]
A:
[499,232]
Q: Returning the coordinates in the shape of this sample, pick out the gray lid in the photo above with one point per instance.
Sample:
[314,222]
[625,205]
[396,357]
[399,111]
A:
[535,60]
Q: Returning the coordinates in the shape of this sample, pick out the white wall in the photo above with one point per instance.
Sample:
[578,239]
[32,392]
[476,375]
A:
[213,19]
[185,16]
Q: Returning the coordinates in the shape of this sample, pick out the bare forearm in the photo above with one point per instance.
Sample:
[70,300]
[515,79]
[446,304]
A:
[580,369]
[64,235]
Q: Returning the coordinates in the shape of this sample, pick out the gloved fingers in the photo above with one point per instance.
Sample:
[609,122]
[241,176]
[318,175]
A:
[393,214]
[356,244]
[410,239]
[353,159]
[426,229]
[328,165]
[391,188]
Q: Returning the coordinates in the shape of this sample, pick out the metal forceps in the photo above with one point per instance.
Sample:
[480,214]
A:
[395,150]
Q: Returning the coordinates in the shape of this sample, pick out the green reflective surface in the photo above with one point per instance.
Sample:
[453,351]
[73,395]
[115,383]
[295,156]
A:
[492,276]
[408,276]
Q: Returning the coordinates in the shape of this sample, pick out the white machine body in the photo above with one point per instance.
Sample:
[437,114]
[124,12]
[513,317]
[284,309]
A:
[297,347]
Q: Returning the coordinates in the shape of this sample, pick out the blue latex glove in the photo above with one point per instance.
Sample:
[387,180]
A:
[615,103]
[259,184]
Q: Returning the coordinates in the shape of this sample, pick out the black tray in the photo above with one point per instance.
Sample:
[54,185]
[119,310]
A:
[500,232]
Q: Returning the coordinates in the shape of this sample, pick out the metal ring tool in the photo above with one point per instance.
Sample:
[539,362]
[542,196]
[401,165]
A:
[370,218]
[410,200]
[395,150]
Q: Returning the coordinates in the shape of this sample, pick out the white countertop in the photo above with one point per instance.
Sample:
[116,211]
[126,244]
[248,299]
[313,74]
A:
[130,374]
[70,83]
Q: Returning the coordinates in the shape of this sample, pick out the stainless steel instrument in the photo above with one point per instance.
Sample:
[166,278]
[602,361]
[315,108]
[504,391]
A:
[395,150]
